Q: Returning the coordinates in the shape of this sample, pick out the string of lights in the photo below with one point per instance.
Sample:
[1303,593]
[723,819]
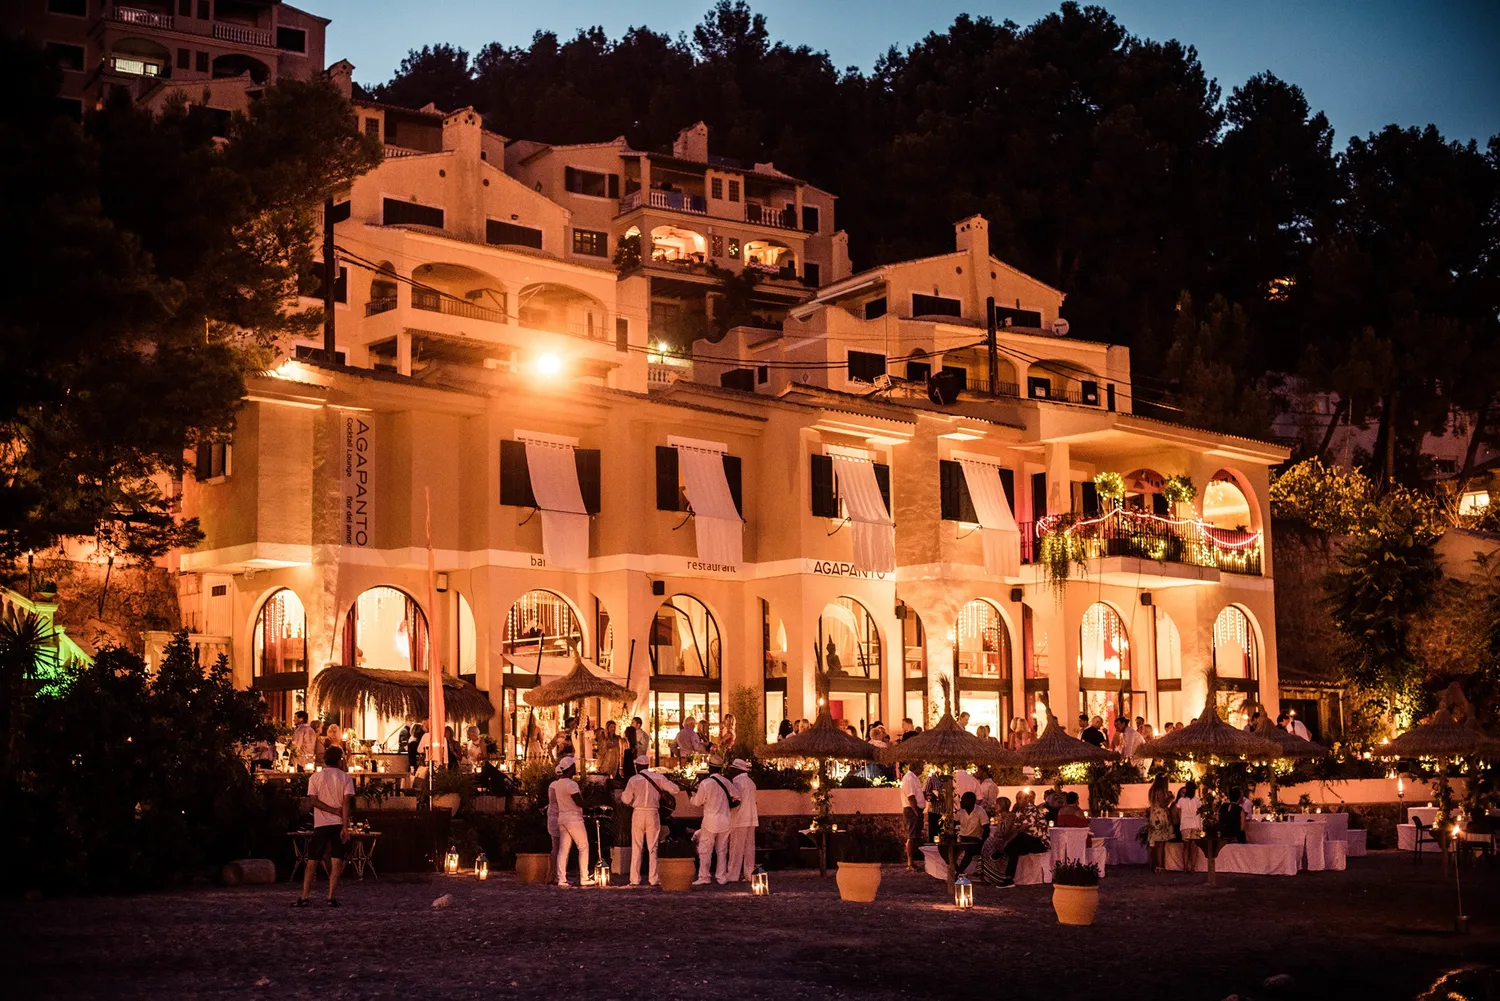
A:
[1049,523]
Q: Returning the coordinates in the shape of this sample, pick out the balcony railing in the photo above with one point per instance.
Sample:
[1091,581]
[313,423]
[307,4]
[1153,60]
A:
[384,304]
[765,215]
[144,18]
[1123,532]
[436,303]
[241,35]
[677,201]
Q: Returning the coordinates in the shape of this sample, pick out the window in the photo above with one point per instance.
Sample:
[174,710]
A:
[734,248]
[291,39]
[590,242]
[716,188]
[133,67]
[960,375]
[812,274]
[1039,387]
[200,62]
[184,59]
[670,495]
[307,351]
[205,10]
[738,378]
[875,308]
[211,461]
[509,234]
[515,476]
[1103,664]
[622,334]
[734,191]
[1007,316]
[397,213]
[865,366]
[590,183]
[810,218]
[716,246]
[73,8]
[825,494]
[372,128]
[935,305]
[918,371]
[763,374]
[69,57]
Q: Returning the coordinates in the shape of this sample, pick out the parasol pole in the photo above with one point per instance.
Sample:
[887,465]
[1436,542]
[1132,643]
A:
[438,746]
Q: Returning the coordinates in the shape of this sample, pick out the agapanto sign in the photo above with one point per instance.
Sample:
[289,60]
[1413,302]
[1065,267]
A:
[359,450]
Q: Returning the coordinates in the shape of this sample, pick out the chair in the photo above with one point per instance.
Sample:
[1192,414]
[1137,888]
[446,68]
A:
[1478,839]
[1424,835]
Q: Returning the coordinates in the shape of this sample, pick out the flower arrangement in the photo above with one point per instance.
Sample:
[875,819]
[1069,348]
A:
[1179,490]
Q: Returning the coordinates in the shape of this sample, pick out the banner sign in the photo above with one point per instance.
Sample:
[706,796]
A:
[358,457]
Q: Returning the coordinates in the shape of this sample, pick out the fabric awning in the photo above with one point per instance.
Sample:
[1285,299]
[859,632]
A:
[720,531]
[565,521]
[874,531]
[998,531]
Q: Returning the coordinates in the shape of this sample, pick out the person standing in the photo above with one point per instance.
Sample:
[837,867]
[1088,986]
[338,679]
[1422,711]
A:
[1159,822]
[1189,822]
[607,749]
[743,820]
[476,750]
[415,746]
[332,793]
[643,796]
[686,742]
[913,805]
[713,795]
[304,741]
[933,790]
[635,746]
[1126,738]
[1094,732]
[565,793]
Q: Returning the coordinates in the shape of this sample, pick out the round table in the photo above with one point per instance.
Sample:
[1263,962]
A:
[1121,839]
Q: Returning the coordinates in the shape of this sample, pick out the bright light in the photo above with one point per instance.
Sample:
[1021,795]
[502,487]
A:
[549,364]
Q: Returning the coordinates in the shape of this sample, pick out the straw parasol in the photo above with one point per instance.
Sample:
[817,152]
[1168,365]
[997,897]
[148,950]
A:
[1293,747]
[822,740]
[397,693]
[577,685]
[1055,748]
[1442,737]
[1210,737]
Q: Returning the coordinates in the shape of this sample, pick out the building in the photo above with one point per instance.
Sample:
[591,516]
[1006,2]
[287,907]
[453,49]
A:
[216,54]
[854,482]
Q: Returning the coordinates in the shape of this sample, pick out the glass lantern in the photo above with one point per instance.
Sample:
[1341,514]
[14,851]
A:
[760,882]
[482,867]
[963,893]
[450,861]
[601,873]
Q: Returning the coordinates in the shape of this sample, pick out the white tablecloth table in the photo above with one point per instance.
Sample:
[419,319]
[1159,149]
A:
[1355,844]
[1121,846]
[1280,859]
[1406,839]
[1066,842]
[1310,839]
[1338,823]
[1426,814]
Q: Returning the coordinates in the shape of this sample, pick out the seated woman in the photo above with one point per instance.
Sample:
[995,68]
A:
[1071,814]
[971,820]
[992,855]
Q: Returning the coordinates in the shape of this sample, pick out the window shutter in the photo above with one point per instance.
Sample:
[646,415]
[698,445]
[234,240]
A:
[1038,495]
[587,461]
[736,489]
[1008,483]
[203,462]
[825,501]
[666,479]
[949,475]
[1090,498]
[515,475]
[883,479]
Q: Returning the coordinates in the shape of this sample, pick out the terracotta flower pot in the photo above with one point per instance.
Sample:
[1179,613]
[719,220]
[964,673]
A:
[533,867]
[677,873]
[858,881]
[1075,905]
[449,801]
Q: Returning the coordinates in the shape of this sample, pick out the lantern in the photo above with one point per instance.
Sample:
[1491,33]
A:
[482,867]
[963,893]
[760,882]
[450,861]
[601,873]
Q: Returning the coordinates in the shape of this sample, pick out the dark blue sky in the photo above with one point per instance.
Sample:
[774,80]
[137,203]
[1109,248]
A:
[1365,63]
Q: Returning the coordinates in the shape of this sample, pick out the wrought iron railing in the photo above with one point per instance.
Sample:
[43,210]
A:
[437,303]
[1123,532]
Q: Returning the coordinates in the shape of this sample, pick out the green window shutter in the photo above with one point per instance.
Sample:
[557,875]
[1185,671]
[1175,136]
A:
[667,496]
[736,490]
[883,479]
[825,499]
[515,475]
[587,462]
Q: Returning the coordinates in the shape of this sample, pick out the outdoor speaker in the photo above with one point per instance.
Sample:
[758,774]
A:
[658,587]
[943,388]
[1146,597]
[1017,595]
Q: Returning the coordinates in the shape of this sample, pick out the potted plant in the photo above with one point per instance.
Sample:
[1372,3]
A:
[1075,891]
[533,848]
[1179,492]
[374,794]
[47,590]
[677,858]
[858,876]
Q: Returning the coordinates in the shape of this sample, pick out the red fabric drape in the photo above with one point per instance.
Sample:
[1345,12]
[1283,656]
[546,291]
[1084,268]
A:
[351,641]
[416,630]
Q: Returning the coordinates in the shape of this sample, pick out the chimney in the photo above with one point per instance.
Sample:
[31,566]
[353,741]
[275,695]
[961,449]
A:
[692,144]
[972,236]
[341,75]
[842,268]
[462,133]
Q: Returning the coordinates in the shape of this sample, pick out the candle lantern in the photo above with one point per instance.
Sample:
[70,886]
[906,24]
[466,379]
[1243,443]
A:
[963,893]
[450,861]
[601,873]
[482,866]
[760,882]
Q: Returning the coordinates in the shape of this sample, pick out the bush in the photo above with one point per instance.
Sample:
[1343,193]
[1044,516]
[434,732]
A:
[1075,872]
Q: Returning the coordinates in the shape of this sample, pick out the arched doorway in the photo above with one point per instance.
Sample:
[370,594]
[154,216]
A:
[851,656]
[279,655]
[1237,663]
[983,674]
[1168,670]
[686,655]
[1225,504]
[542,632]
[1103,664]
[385,629]
[1143,492]
[914,667]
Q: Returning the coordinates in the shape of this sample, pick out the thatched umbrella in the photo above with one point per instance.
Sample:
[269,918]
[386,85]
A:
[577,685]
[1293,748]
[949,746]
[1055,748]
[1442,737]
[397,693]
[823,742]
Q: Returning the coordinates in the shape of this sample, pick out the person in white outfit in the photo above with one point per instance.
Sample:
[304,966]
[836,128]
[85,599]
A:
[964,781]
[564,792]
[713,795]
[743,820]
[643,796]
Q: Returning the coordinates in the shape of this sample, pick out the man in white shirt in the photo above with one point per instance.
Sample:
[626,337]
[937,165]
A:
[1293,726]
[964,782]
[687,741]
[332,793]
[713,795]
[913,805]
[743,820]
[643,796]
[989,792]
[565,793]
[1126,738]
[304,742]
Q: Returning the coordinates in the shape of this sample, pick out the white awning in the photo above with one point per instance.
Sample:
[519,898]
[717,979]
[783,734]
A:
[1001,537]
[565,521]
[874,532]
[721,533]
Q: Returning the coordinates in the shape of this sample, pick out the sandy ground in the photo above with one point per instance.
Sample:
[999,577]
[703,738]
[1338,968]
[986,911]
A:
[1380,930]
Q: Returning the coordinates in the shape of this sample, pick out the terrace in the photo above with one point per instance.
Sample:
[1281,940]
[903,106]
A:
[1146,536]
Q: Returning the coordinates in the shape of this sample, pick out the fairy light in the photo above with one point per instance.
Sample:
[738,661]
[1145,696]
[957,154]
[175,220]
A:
[1045,525]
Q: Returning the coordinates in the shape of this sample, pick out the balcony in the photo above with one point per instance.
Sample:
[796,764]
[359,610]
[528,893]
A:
[1137,535]
[765,215]
[433,302]
[241,35]
[677,201]
[384,304]
[144,18]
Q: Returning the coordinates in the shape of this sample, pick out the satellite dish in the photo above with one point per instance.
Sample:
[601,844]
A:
[943,388]
[1060,327]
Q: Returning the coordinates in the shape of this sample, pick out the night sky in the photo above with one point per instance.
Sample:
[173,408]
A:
[1365,63]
